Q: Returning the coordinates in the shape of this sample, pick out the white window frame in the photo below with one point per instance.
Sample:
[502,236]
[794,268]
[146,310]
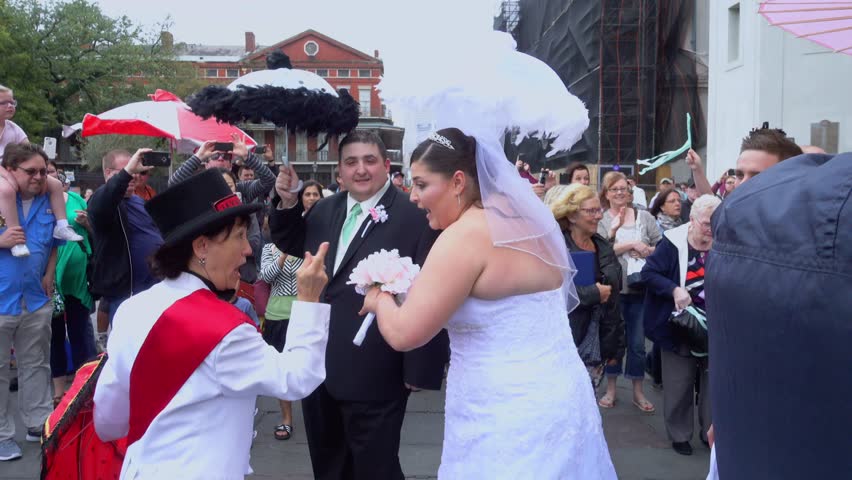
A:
[366,107]
[305,47]
[301,146]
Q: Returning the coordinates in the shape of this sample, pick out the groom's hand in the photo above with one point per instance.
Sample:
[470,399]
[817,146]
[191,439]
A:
[412,387]
[311,277]
[285,183]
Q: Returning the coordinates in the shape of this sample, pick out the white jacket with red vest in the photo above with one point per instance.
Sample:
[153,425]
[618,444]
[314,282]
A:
[206,429]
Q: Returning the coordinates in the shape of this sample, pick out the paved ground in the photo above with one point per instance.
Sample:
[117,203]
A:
[637,442]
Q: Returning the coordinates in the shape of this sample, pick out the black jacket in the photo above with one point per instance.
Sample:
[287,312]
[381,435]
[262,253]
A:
[374,371]
[608,314]
[112,275]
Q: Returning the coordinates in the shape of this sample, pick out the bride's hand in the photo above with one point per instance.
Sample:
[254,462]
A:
[371,301]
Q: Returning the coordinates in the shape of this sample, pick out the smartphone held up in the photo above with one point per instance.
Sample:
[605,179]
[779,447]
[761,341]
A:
[156,159]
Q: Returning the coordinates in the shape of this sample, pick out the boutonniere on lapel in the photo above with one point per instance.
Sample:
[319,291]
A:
[378,214]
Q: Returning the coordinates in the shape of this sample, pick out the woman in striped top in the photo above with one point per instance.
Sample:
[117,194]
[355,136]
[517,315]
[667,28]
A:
[279,271]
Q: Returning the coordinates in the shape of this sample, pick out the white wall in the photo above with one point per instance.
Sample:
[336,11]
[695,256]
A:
[787,81]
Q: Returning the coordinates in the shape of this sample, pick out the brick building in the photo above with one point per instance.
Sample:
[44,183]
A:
[342,66]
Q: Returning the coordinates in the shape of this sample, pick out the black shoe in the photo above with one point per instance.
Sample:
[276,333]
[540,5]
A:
[13,384]
[705,442]
[683,448]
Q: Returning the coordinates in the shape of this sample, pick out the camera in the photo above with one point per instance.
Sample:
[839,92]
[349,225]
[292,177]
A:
[223,146]
[156,159]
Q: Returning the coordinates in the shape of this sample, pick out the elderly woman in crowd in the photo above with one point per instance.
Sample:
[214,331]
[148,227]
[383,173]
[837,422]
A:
[185,366]
[674,279]
[634,234]
[596,323]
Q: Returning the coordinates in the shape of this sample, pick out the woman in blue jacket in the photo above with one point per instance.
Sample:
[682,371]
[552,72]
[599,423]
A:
[674,279]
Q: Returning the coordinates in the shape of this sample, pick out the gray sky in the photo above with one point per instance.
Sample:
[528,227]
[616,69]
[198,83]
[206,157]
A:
[364,24]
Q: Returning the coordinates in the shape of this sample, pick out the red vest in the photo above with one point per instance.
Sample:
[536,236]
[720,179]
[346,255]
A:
[178,342]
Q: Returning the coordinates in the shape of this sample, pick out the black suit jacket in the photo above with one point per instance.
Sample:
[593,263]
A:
[373,371]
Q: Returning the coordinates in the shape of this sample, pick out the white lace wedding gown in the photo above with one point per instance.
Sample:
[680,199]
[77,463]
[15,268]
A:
[519,401]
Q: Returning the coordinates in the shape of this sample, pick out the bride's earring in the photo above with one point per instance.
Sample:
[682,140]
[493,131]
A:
[202,261]
[458,199]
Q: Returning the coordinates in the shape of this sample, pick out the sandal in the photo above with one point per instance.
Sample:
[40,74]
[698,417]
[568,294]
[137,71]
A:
[606,402]
[645,406]
[283,432]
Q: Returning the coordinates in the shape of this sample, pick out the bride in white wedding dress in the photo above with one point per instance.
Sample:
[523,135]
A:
[519,402]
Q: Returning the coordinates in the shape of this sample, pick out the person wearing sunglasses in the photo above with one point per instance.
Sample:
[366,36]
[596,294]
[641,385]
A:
[143,190]
[11,134]
[26,287]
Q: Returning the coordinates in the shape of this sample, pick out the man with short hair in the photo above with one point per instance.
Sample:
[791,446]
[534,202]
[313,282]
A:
[125,235]
[666,185]
[143,190]
[686,205]
[762,148]
[353,420]
[246,174]
[398,180]
[26,305]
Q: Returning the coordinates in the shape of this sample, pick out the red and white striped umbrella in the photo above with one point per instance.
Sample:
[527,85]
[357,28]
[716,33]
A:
[826,22]
[164,116]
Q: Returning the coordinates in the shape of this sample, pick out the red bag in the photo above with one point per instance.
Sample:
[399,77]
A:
[71,450]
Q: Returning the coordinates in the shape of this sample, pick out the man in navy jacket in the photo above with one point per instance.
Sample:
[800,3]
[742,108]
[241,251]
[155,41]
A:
[779,306]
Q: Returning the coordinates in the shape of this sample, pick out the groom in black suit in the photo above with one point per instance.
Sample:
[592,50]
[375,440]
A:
[353,420]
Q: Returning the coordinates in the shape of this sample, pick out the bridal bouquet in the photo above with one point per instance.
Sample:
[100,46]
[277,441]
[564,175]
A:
[386,270]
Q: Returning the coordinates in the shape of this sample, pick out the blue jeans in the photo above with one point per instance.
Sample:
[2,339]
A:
[81,337]
[112,304]
[632,308]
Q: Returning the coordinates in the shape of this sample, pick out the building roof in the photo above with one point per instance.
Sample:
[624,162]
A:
[193,52]
[262,51]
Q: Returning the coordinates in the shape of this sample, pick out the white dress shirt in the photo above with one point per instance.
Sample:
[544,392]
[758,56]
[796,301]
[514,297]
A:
[205,431]
[365,210]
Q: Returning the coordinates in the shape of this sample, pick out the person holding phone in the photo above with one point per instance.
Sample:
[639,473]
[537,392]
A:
[125,234]
[213,154]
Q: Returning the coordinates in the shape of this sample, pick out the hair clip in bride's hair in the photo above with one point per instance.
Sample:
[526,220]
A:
[441,140]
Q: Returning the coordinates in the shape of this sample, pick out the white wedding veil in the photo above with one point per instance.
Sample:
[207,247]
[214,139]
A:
[489,90]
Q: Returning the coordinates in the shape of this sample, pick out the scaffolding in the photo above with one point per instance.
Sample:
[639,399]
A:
[509,17]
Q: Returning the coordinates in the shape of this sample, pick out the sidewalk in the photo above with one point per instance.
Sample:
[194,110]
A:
[637,442]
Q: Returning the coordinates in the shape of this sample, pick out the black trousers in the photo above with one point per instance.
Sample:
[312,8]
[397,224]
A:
[353,440]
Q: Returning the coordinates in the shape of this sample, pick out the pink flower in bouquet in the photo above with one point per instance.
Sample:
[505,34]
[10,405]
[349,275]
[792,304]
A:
[384,269]
[387,271]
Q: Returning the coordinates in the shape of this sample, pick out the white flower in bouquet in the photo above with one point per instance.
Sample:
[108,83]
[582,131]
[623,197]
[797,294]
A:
[387,271]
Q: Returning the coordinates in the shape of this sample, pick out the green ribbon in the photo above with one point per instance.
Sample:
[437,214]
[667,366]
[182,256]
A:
[664,158]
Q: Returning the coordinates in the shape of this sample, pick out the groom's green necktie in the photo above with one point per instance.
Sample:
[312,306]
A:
[350,224]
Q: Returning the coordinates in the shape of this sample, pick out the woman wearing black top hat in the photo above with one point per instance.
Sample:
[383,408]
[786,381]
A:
[182,356]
